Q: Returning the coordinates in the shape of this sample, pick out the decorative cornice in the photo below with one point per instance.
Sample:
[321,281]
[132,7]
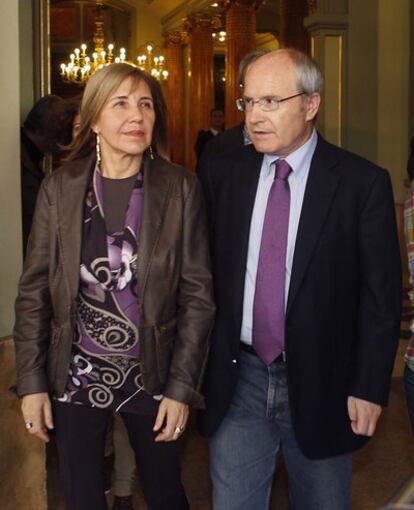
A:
[174,19]
[202,20]
[326,22]
[244,4]
[177,37]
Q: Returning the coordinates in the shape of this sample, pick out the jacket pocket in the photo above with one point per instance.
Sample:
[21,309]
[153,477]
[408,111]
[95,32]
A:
[164,338]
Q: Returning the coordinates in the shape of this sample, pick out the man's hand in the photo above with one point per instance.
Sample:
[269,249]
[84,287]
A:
[172,416]
[363,415]
[37,412]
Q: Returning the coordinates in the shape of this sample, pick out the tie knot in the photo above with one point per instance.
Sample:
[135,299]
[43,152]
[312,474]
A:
[282,169]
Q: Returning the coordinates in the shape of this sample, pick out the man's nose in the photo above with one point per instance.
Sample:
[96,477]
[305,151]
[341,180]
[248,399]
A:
[255,114]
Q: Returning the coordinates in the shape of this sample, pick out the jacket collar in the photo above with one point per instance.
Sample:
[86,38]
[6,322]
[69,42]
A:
[320,191]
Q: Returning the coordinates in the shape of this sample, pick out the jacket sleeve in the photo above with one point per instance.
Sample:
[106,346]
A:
[380,295]
[195,305]
[33,306]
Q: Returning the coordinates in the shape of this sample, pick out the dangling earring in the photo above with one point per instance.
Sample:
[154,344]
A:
[98,148]
[151,152]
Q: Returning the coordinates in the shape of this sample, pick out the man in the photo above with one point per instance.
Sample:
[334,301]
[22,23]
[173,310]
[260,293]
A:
[308,286]
[216,127]
[46,127]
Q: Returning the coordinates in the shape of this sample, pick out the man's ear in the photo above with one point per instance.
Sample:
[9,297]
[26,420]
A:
[312,106]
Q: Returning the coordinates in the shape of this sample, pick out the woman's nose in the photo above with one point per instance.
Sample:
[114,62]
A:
[136,114]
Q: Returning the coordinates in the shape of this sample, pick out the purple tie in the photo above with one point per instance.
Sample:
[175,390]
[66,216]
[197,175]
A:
[269,297]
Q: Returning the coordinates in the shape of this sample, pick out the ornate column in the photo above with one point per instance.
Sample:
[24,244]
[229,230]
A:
[240,40]
[327,24]
[201,75]
[292,32]
[174,94]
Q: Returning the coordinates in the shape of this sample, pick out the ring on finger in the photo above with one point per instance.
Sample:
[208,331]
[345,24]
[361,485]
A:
[179,430]
[28,425]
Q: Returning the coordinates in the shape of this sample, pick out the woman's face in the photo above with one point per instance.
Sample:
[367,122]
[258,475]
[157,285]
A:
[126,121]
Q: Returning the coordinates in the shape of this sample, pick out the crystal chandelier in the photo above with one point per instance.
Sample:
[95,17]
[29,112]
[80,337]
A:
[81,66]
[152,62]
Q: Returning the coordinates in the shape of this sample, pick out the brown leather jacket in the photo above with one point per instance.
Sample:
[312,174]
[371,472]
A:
[174,283]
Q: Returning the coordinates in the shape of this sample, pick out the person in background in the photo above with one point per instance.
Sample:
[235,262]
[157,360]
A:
[115,307]
[307,282]
[409,238]
[45,130]
[410,163]
[216,127]
[74,112]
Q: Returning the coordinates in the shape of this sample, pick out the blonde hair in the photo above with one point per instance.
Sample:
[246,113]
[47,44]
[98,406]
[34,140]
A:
[97,92]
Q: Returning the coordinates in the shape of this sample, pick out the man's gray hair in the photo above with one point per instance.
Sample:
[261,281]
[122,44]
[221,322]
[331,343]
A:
[309,75]
[245,62]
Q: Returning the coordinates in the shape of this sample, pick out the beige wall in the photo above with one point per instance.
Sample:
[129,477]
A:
[10,231]
[361,87]
[22,465]
[148,27]
[25,56]
[393,90]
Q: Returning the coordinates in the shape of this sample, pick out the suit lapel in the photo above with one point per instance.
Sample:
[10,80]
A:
[70,207]
[157,183]
[320,191]
[245,178]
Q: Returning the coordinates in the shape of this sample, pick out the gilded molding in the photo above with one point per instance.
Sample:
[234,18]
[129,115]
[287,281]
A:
[202,20]
[177,37]
[244,4]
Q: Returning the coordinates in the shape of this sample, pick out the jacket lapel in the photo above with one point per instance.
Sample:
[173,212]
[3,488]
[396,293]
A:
[320,191]
[70,206]
[245,178]
[157,183]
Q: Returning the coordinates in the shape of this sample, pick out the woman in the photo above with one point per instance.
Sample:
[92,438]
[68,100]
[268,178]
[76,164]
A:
[115,303]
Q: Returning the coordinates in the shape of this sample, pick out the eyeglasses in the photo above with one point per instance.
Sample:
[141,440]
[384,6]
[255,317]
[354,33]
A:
[266,104]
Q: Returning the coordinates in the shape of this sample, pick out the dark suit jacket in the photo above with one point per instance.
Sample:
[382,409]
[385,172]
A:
[229,140]
[202,138]
[343,311]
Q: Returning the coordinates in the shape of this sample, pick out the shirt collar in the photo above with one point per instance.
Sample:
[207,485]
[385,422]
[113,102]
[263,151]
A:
[297,159]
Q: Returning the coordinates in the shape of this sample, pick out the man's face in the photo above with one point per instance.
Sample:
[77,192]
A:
[217,119]
[284,130]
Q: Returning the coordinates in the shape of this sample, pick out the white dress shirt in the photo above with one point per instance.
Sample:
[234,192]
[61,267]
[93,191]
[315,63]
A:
[299,161]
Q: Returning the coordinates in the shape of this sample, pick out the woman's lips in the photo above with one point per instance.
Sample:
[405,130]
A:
[135,134]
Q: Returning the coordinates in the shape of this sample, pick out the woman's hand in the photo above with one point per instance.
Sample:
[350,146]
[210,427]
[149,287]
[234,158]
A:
[172,416]
[37,412]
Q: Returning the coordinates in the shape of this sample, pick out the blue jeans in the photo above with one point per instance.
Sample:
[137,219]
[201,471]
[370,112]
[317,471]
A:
[244,450]
[409,393]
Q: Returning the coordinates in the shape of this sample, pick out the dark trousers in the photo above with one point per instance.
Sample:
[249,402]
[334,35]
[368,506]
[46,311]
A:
[80,438]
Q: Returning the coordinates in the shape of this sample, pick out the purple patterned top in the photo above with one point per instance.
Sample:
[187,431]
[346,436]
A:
[105,371]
